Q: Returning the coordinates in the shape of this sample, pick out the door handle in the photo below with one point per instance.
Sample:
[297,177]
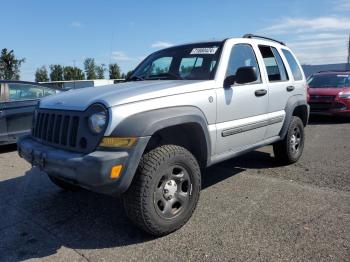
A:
[260,92]
[290,88]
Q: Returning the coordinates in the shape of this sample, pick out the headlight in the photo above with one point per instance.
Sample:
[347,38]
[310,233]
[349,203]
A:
[97,122]
[344,95]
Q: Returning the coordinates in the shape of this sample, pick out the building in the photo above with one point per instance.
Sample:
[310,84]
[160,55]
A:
[76,84]
[311,69]
[349,50]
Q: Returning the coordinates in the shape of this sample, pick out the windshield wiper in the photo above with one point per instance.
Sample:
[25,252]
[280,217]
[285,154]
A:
[164,75]
[136,78]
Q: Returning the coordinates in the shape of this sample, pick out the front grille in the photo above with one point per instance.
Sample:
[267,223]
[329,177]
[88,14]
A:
[57,128]
[65,129]
[322,98]
[320,106]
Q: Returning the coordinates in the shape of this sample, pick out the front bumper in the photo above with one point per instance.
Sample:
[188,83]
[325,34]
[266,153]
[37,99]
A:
[90,171]
[339,107]
[341,113]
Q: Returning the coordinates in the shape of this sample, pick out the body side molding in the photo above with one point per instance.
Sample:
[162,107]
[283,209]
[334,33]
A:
[256,125]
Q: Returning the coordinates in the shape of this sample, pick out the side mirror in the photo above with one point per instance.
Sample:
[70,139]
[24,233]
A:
[229,81]
[246,74]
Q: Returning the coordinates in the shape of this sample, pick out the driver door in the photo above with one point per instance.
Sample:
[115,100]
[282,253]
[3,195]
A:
[241,110]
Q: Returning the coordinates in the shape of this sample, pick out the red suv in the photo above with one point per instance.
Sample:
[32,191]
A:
[329,93]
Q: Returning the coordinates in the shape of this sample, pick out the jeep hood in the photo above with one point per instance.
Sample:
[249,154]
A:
[122,93]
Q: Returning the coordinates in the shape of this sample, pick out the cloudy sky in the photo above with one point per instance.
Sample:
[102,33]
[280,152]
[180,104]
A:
[67,32]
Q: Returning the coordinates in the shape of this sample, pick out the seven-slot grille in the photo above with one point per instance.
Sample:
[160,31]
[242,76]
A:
[57,127]
[67,129]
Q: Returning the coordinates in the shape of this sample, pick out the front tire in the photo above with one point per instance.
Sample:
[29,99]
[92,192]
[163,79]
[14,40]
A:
[165,190]
[290,149]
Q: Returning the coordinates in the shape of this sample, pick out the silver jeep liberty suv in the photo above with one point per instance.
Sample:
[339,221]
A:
[183,109]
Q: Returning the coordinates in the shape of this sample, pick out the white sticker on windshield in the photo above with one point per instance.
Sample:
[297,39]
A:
[342,75]
[204,51]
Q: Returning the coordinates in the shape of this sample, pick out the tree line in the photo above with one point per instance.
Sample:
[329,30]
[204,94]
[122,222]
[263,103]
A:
[10,70]
[91,71]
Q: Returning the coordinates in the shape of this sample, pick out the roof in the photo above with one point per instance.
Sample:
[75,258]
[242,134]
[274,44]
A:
[222,40]
[251,36]
[19,82]
[24,82]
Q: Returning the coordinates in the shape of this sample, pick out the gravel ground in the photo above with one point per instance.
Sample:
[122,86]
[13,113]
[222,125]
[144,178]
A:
[250,210]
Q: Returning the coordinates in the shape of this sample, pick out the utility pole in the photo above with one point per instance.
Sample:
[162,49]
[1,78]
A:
[74,72]
[349,50]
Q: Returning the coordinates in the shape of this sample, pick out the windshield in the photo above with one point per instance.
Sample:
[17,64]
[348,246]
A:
[329,81]
[186,62]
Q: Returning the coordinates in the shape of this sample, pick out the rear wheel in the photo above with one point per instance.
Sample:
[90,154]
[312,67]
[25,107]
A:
[290,149]
[62,184]
[165,190]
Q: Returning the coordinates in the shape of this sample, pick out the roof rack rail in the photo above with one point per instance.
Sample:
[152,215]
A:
[263,37]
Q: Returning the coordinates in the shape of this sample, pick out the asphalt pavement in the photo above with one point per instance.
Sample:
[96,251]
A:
[250,209]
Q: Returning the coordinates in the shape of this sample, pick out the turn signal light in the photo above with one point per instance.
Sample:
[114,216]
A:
[124,142]
[116,171]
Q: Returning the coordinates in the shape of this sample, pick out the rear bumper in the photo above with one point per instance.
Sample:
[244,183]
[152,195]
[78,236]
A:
[12,138]
[91,171]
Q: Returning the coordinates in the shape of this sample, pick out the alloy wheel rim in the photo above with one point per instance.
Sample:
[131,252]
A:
[295,140]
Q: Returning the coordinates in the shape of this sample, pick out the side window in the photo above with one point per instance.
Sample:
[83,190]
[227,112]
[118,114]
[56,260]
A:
[242,55]
[48,91]
[2,92]
[188,63]
[275,68]
[160,66]
[293,65]
[19,92]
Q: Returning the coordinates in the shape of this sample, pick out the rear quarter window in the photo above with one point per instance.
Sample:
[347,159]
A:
[294,67]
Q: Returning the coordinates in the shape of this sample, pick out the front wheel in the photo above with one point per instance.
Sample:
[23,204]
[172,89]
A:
[290,149]
[165,190]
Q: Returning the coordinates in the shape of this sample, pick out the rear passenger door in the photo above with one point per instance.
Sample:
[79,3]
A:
[280,88]
[296,72]
[19,107]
